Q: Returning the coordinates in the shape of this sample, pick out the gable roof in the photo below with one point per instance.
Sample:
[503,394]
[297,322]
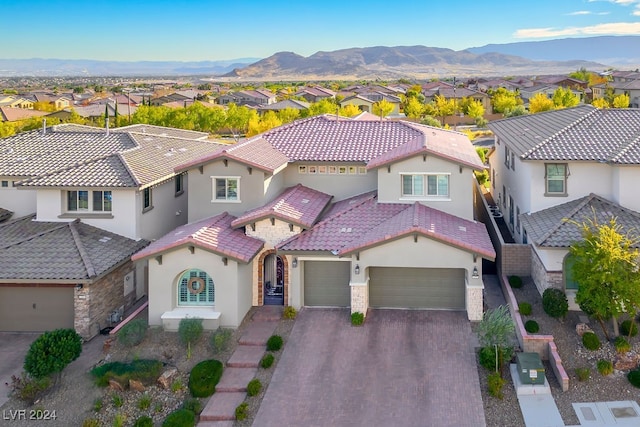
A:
[214,234]
[298,205]
[559,226]
[368,223]
[11,114]
[583,133]
[60,251]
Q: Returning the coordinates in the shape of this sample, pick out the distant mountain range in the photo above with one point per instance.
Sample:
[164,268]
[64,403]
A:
[524,58]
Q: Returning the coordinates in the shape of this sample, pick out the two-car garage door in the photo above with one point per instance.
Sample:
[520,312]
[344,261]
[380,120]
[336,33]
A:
[35,309]
[432,288]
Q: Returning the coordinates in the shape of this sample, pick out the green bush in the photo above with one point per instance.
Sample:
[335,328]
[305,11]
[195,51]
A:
[52,351]
[180,418]
[144,421]
[554,302]
[495,384]
[117,401]
[254,387]
[267,361]
[192,404]
[220,340]
[583,374]
[118,420]
[133,332]
[204,377]
[289,312]
[242,411]
[634,378]
[628,326]
[515,282]
[590,341]
[605,367]
[29,389]
[487,357]
[525,308]
[190,330]
[357,318]
[621,344]
[531,326]
[91,422]
[144,402]
[143,370]
[274,343]
[97,405]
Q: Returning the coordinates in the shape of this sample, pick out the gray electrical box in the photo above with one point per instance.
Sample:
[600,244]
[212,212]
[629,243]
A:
[530,368]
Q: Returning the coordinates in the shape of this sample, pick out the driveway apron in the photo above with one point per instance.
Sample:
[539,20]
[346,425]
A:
[401,368]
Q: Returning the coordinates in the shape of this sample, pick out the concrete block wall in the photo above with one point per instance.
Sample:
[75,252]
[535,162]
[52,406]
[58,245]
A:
[515,259]
[359,297]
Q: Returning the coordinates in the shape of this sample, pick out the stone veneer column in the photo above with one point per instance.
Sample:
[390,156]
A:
[81,305]
[474,302]
[359,297]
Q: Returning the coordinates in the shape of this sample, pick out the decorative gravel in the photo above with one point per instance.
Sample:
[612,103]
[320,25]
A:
[597,388]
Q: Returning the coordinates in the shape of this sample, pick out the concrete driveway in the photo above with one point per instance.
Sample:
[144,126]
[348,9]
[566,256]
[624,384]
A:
[13,349]
[402,368]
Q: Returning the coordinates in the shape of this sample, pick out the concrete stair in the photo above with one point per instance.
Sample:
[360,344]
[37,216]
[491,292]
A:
[235,379]
[246,356]
[222,406]
[259,333]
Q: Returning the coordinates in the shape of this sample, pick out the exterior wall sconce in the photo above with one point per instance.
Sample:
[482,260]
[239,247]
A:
[357,269]
[225,260]
[79,286]
[475,274]
[294,263]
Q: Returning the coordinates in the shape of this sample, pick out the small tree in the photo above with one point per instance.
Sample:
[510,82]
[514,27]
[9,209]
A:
[190,331]
[382,108]
[539,103]
[496,330]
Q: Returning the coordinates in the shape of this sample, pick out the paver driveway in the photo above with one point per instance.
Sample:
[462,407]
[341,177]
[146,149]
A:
[402,368]
[13,349]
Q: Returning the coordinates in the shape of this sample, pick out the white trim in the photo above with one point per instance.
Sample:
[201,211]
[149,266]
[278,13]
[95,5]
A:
[213,189]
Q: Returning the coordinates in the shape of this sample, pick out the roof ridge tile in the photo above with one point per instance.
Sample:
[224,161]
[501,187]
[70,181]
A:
[86,260]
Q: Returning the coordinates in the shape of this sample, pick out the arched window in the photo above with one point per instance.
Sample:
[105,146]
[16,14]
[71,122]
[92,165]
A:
[195,287]
[569,281]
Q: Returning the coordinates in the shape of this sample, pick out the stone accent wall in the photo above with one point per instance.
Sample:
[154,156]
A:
[474,303]
[94,302]
[359,297]
[259,288]
[274,233]
[541,277]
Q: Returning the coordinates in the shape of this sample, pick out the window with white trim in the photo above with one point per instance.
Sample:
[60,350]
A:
[425,185]
[226,189]
[89,201]
[147,199]
[555,178]
[195,287]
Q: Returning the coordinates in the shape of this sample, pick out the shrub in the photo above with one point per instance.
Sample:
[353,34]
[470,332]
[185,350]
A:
[289,312]
[220,340]
[487,357]
[204,377]
[133,333]
[357,318]
[583,374]
[144,402]
[621,344]
[590,341]
[525,308]
[118,420]
[274,343]
[634,378]
[554,302]
[515,282]
[144,421]
[180,418]
[91,422]
[629,328]
[605,367]
[144,370]
[267,361]
[241,411]
[254,387]
[52,351]
[117,401]
[495,384]
[190,332]
[176,386]
[29,389]
[531,326]
[192,404]
[97,405]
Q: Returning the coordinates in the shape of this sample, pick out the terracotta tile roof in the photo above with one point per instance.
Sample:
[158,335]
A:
[558,226]
[60,251]
[214,234]
[370,223]
[298,205]
[583,133]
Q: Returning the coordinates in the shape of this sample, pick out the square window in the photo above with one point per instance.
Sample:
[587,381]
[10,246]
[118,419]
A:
[302,169]
[322,170]
[555,177]
[353,170]
[102,201]
[332,170]
[227,189]
[342,170]
[313,169]
[5,184]
[362,170]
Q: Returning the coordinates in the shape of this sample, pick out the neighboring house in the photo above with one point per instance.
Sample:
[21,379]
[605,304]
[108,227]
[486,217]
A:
[365,103]
[252,98]
[548,90]
[449,91]
[324,211]
[559,164]
[58,101]
[174,97]
[315,93]
[293,104]
[16,102]
[97,111]
[11,114]
[630,87]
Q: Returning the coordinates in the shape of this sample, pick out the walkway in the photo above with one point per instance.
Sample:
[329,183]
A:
[241,368]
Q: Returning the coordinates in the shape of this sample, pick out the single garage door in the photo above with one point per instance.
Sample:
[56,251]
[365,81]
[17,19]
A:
[435,288]
[35,309]
[326,283]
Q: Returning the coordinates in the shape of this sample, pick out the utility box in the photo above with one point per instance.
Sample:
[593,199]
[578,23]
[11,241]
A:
[530,368]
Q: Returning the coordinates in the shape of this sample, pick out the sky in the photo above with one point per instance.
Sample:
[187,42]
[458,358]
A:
[202,30]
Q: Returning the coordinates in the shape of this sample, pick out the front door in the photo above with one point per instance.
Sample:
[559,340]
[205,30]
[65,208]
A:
[273,280]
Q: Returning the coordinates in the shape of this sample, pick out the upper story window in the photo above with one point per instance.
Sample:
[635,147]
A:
[226,189]
[425,185]
[195,287]
[5,184]
[147,199]
[507,156]
[179,185]
[555,179]
[78,200]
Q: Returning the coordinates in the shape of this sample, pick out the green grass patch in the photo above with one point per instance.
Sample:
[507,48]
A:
[144,370]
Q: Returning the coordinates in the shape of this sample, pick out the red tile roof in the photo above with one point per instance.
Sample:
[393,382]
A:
[214,234]
[299,205]
[369,223]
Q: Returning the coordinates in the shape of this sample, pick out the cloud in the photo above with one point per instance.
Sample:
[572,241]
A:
[586,12]
[616,28]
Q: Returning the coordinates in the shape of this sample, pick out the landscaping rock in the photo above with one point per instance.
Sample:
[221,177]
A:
[167,378]
[581,328]
[626,362]
[136,385]
[115,385]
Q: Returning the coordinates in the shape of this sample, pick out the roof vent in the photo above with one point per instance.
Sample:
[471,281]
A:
[462,228]
[104,239]
[305,201]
